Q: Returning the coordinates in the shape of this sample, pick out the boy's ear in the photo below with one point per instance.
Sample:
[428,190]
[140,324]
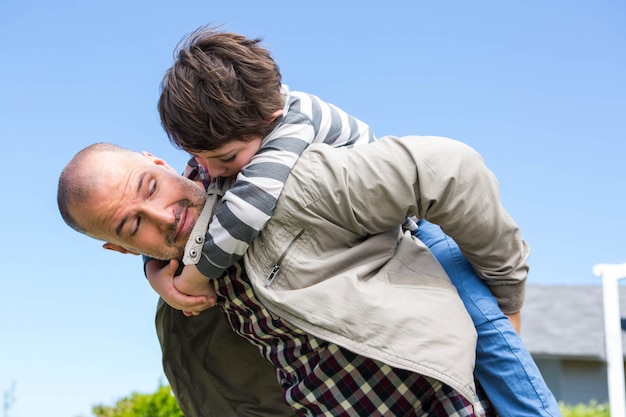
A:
[157,161]
[117,248]
[275,116]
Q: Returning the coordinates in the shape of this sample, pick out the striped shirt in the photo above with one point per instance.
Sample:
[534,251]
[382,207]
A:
[320,378]
[250,202]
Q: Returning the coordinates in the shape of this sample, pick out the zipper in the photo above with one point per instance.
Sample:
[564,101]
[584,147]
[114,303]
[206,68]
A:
[272,275]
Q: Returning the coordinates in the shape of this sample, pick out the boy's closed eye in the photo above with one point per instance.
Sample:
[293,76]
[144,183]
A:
[229,159]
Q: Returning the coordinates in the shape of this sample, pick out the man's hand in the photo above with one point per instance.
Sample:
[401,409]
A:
[161,278]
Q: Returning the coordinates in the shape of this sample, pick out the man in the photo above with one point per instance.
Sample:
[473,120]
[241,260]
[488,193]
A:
[442,180]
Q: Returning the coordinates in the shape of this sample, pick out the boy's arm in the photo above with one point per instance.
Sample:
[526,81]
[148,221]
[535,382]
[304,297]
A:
[250,202]
[375,187]
[161,275]
[192,282]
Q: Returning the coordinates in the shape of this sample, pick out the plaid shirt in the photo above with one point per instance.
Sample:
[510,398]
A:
[323,379]
[320,378]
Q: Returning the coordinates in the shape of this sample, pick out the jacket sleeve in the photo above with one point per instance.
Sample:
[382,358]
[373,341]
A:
[374,187]
[251,201]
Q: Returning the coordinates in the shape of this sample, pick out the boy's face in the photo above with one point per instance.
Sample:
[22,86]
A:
[228,160]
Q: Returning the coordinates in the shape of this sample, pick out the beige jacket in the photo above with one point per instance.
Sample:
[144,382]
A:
[339,268]
[333,262]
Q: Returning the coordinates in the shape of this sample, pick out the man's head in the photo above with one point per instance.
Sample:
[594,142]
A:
[134,202]
[221,87]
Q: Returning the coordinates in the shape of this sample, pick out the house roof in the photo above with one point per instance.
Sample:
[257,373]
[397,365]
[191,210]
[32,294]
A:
[567,321]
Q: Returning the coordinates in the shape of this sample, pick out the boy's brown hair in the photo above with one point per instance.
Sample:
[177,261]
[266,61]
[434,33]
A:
[221,87]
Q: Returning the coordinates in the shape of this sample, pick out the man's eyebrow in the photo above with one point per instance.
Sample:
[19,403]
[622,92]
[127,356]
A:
[118,229]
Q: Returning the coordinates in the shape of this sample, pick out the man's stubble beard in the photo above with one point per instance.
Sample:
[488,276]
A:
[196,199]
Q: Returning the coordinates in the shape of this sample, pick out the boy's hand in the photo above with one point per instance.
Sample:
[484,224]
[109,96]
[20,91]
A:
[161,278]
[516,321]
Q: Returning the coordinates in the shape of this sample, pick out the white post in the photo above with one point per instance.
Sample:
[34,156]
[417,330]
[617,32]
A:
[611,274]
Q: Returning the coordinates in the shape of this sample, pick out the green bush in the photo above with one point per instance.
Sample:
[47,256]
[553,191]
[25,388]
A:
[593,409]
[159,404]
[163,404]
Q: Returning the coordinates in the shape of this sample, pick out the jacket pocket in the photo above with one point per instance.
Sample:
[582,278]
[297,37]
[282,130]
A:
[276,268]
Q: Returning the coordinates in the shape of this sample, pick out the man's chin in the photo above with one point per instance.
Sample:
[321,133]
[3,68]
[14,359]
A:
[175,253]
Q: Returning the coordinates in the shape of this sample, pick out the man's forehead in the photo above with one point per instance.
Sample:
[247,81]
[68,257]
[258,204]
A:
[106,158]
[114,169]
[110,176]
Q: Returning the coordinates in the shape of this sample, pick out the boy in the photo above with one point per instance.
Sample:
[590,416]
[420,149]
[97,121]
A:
[222,101]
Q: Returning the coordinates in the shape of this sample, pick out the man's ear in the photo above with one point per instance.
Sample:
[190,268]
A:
[157,161]
[117,248]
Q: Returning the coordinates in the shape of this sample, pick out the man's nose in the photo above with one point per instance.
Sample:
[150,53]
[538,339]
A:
[159,214]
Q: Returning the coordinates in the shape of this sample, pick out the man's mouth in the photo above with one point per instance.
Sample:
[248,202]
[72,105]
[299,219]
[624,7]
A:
[182,224]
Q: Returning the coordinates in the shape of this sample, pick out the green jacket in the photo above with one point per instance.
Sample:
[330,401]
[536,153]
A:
[212,371]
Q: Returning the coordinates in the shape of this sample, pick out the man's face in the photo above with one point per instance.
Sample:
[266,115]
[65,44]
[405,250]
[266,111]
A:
[141,205]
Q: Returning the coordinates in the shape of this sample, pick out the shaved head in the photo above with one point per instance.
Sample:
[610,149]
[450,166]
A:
[78,181]
[134,202]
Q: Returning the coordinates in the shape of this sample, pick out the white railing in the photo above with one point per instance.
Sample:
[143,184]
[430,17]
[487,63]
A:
[611,274]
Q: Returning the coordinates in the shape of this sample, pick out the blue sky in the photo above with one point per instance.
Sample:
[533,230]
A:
[537,87]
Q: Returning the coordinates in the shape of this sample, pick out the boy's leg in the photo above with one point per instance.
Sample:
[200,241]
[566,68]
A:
[504,366]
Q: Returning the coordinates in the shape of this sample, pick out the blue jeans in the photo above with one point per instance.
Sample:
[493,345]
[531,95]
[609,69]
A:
[504,367]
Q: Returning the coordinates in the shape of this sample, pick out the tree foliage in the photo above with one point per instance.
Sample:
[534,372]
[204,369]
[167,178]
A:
[163,404]
[593,409]
[159,404]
